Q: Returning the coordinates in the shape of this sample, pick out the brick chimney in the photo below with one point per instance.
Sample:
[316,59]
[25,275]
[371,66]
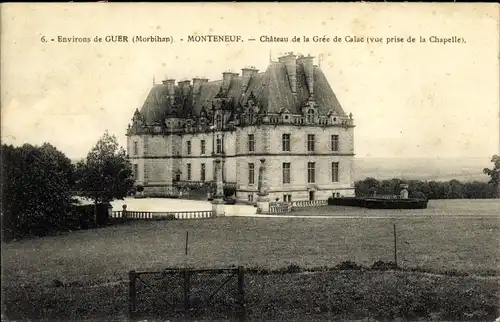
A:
[197,82]
[307,63]
[290,61]
[170,83]
[185,85]
[246,74]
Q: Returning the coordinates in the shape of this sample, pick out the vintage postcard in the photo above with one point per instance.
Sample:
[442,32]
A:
[250,161]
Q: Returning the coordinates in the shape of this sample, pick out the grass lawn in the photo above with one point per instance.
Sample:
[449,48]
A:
[97,261]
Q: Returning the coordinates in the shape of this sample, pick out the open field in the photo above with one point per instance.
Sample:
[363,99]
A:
[434,243]
[97,261]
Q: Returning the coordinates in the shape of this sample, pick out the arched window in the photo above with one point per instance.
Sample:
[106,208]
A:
[218,120]
[310,116]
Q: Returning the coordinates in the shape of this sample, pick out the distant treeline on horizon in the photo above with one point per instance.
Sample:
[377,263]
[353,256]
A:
[426,169]
[452,189]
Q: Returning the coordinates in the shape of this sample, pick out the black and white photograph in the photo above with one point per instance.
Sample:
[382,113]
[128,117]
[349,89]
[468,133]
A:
[250,161]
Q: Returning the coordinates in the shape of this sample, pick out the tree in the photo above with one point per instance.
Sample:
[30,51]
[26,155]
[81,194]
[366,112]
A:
[105,174]
[494,173]
[36,185]
[366,187]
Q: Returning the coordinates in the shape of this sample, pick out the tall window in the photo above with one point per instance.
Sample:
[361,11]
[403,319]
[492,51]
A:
[251,173]
[285,142]
[146,146]
[203,173]
[335,171]
[218,120]
[286,172]
[136,171]
[136,148]
[202,147]
[219,145]
[311,172]
[310,116]
[251,143]
[188,147]
[334,142]
[310,142]
[189,171]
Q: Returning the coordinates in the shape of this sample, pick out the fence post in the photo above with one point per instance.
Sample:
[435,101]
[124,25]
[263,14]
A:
[241,292]
[132,294]
[186,290]
[395,247]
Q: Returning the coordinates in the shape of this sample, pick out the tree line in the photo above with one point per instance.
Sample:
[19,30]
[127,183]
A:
[37,184]
[452,189]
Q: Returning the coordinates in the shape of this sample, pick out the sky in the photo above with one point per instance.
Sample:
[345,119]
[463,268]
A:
[407,99]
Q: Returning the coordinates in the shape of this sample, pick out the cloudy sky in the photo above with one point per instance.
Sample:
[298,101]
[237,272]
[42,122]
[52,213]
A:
[408,99]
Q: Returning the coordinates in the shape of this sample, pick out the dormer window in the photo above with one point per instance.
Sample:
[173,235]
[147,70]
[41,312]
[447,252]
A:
[218,121]
[310,116]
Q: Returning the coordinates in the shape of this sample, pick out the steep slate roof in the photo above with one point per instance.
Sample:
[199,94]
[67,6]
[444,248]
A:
[270,88]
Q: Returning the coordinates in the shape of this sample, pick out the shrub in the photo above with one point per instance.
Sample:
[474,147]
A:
[292,268]
[383,266]
[229,191]
[348,265]
[83,216]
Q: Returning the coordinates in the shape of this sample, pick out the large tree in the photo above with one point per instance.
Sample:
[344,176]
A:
[36,185]
[105,174]
[494,173]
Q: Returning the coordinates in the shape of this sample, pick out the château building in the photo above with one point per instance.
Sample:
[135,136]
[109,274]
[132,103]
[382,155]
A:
[287,116]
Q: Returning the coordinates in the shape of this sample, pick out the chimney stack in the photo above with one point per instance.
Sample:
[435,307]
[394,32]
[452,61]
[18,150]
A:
[226,80]
[291,69]
[307,63]
[246,74]
[184,85]
[197,82]
[170,83]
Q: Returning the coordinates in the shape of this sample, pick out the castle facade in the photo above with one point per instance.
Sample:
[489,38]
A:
[287,116]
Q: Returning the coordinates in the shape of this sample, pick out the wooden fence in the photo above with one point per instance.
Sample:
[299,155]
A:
[163,215]
[309,203]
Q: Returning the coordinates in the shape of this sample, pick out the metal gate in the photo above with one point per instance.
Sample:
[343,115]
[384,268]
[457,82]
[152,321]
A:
[192,293]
